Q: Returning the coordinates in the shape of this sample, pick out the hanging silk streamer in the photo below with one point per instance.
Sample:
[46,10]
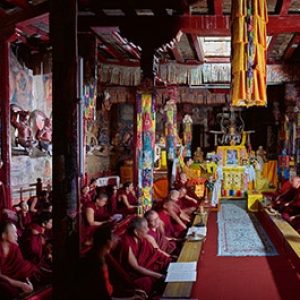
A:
[145,147]
[187,134]
[248,72]
[89,95]
[171,122]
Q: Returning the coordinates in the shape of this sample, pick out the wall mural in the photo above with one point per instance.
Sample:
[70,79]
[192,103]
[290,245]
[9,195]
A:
[31,125]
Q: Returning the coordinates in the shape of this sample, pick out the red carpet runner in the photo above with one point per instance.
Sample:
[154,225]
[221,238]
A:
[242,278]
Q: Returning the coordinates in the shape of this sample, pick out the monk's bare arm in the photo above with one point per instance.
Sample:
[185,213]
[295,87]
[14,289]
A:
[91,218]
[125,201]
[133,262]
[24,286]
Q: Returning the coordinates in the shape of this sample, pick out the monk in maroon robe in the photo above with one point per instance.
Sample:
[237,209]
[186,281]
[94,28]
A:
[24,217]
[289,191]
[92,276]
[156,231]
[139,258]
[187,203]
[15,272]
[33,240]
[127,200]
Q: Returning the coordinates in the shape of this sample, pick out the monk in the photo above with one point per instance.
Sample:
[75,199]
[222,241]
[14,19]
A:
[292,208]
[156,232]
[33,240]
[15,271]
[187,203]
[85,196]
[97,212]
[24,217]
[127,199]
[139,258]
[288,192]
[92,279]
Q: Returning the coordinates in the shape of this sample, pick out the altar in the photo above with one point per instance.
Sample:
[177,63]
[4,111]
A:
[234,164]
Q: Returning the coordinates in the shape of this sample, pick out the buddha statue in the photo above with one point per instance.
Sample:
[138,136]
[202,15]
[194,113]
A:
[198,155]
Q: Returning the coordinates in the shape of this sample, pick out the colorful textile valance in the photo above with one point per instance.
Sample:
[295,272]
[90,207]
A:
[248,72]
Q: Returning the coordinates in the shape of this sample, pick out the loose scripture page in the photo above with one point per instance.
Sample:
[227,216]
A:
[181,277]
[182,267]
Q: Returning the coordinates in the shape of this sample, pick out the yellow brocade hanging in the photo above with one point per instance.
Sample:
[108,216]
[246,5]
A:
[248,70]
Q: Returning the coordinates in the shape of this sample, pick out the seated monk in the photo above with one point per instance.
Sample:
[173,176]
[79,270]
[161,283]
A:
[33,240]
[92,277]
[173,225]
[174,198]
[156,231]
[139,258]
[287,194]
[15,271]
[127,202]
[85,196]
[24,217]
[292,208]
[187,203]
[182,181]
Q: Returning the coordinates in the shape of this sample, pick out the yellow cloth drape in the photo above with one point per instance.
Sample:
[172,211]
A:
[249,89]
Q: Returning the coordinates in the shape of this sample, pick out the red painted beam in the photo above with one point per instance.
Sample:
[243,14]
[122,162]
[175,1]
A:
[293,45]
[197,47]
[203,25]
[218,7]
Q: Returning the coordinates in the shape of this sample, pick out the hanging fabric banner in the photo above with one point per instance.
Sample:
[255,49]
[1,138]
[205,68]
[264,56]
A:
[187,134]
[248,47]
[171,122]
[145,147]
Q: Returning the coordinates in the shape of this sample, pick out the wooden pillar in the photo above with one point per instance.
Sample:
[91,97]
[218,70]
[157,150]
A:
[63,34]
[5,121]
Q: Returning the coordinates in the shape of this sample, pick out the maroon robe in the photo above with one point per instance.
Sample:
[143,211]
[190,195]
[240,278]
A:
[163,243]
[16,267]
[185,203]
[23,221]
[32,244]
[101,214]
[166,219]
[132,200]
[146,256]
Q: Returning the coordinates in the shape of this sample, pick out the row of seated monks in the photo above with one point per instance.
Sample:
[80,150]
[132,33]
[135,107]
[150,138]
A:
[287,202]
[26,246]
[130,262]
[136,259]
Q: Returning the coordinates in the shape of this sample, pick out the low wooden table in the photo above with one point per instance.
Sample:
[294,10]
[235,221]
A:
[189,252]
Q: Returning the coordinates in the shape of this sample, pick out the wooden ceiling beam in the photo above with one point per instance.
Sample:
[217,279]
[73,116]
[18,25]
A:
[282,7]
[203,25]
[9,22]
[126,45]
[291,48]
[177,54]
[19,3]
[271,46]
[197,47]
[145,4]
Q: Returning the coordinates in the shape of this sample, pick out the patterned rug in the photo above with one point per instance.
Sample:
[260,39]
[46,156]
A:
[240,233]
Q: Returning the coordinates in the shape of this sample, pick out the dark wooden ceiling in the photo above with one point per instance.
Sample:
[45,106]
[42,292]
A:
[203,28]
